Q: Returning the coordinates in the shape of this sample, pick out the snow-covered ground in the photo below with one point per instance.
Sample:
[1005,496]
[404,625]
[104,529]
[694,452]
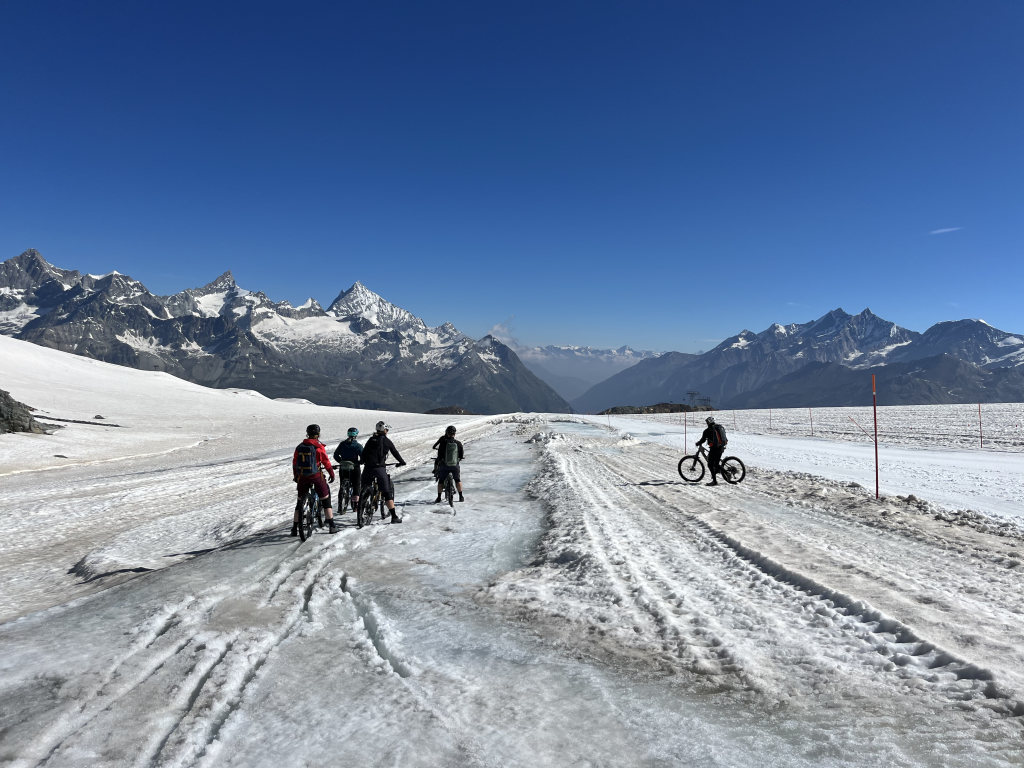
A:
[584,607]
[928,463]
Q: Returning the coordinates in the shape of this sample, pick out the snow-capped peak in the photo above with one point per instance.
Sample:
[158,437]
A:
[225,284]
[360,301]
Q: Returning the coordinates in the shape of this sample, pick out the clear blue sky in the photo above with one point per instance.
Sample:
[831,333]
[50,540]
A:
[654,174]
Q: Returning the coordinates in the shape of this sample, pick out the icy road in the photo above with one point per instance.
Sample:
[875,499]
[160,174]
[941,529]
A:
[584,607]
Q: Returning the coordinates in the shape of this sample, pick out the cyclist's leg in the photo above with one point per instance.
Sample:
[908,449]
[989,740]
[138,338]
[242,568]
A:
[457,477]
[385,488]
[301,487]
[442,471]
[354,476]
[324,492]
[714,461]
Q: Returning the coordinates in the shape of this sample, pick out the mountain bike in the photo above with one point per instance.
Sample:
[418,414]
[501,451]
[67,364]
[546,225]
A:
[373,499]
[312,514]
[345,486]
[691,468]
[449,491]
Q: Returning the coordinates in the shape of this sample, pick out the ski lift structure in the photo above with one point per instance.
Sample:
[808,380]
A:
[697,400]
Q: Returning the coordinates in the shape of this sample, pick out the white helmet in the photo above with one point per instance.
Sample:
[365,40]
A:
[383,426]
[710,420]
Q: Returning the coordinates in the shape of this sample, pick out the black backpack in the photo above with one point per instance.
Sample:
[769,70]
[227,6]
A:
[720,439]
[377,448]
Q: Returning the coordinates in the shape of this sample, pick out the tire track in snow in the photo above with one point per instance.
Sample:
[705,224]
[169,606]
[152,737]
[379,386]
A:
[906,653]
[174,630]
[697,643]
[785,639]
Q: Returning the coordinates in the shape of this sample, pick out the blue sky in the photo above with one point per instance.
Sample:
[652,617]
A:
[661,174]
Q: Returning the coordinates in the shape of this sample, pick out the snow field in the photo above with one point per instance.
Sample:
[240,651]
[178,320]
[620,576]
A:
[736,591]
[966,479]
[188,469]
[585,606]
[929,426]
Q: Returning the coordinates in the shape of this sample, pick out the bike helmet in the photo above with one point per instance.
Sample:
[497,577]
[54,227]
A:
[710,420]
[353,432]
[383,426]
[450,431]
[313,430]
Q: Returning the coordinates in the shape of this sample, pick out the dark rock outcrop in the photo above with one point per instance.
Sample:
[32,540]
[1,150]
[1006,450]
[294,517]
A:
[16,417]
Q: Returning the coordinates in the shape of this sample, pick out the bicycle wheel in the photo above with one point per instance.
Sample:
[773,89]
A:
[366,507]
[319,508]
[449,490]
[344,496]
[383,506]
[306,516]
[733,470]
[691,469]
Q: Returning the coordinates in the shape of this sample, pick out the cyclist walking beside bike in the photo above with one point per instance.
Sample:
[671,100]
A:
[715,437]
[348,455]
[449,454]
[309,459]
[374,457]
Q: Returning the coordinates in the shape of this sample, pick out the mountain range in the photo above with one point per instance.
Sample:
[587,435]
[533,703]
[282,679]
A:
[825,362]
[362,351]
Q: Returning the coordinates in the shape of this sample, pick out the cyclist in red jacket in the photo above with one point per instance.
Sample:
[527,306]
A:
[310,455]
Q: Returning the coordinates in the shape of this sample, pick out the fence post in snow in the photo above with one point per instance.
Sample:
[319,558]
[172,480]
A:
[874,406]
[734,418]
[812,421]
[981,434]
[769,419]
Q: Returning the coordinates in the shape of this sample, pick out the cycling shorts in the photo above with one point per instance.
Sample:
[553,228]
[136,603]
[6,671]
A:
[383,481]
[444,469]
[319,484]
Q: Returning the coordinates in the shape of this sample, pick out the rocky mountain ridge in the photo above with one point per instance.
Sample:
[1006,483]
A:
[362,351]
[749,362]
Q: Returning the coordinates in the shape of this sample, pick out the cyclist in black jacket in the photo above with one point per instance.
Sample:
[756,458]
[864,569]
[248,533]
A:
[715,437]
[374,456]
[448,461]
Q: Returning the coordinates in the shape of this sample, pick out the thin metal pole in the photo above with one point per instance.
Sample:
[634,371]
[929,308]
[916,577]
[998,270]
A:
[859,427]
[874,405]
[812,421]
[734,419]
[981,434]
[769,419]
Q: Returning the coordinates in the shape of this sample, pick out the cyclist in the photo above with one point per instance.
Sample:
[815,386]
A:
[375,454]
[310,455]
[716,440]
[347,455]
[449,454]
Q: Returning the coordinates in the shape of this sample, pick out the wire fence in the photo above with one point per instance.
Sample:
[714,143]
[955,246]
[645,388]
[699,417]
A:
[997,426]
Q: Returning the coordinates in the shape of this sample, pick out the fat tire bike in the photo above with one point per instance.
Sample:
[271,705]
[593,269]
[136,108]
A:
[372,499]
[691,468]
[311,515]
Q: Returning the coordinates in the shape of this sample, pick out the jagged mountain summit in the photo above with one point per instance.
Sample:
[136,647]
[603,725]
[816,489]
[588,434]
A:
[362,351]
[748,362]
